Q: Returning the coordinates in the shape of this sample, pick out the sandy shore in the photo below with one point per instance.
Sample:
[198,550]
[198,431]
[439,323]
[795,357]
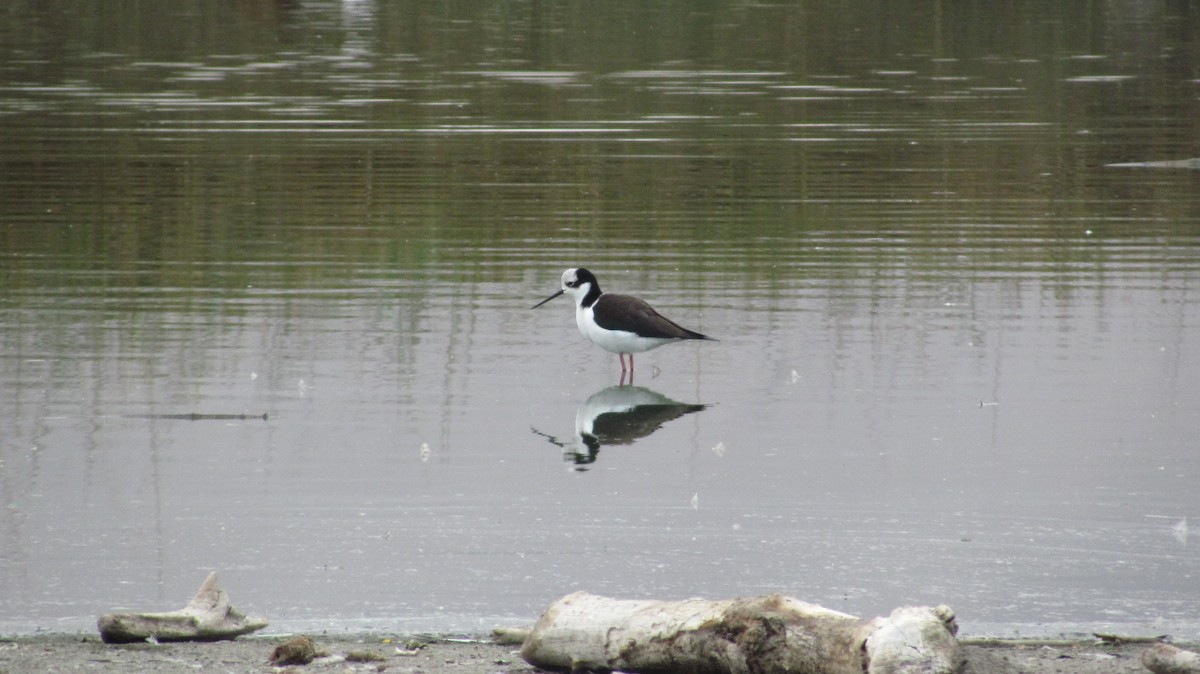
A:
[399,654]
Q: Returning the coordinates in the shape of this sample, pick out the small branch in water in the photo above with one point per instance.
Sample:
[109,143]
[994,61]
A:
[1127,639]
[1111,639]
[1001,641]
[198,416]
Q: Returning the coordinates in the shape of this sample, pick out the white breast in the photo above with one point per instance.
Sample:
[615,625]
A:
[614,341]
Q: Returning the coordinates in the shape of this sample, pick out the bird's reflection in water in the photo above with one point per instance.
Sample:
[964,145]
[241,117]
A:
[617,415]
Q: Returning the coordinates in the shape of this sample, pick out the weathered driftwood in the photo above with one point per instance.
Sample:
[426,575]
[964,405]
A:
[1168,659]
[209,616]
[761,635]
[510,636]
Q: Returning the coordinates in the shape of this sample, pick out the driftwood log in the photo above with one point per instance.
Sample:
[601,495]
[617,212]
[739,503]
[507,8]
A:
[1168,659]
[760,635]
[209,616]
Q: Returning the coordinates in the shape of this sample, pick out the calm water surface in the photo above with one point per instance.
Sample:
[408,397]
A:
[952,256]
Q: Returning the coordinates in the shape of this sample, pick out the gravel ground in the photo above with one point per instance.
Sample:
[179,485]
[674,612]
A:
[439,655]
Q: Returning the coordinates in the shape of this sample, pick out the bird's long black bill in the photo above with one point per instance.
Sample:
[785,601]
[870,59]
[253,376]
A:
[547,299]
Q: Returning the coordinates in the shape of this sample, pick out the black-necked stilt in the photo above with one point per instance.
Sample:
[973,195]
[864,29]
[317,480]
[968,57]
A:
[620,324]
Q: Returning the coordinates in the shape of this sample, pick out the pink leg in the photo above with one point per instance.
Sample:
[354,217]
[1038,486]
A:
[622,357]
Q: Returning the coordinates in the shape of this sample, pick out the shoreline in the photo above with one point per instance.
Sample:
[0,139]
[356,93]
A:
[471,654]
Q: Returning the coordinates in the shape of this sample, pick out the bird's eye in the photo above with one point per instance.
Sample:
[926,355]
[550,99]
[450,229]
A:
[572,284]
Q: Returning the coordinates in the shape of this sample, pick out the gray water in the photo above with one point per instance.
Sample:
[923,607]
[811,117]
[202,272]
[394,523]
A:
[952,255]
